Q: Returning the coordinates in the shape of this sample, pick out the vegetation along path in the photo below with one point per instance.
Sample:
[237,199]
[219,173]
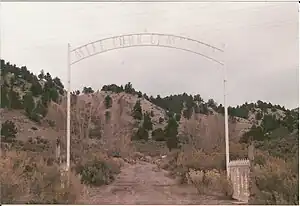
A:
[144,183]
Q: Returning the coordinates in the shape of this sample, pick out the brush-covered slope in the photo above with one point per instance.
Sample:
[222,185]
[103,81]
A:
[122,113]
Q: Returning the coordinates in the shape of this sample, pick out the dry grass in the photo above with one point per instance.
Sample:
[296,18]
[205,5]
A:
[276,180]
[197,159]
[204,171]
[150,148]
[29,179]
[210,182]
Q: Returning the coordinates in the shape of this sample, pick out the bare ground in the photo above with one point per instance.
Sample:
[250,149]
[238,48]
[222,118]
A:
[144,183]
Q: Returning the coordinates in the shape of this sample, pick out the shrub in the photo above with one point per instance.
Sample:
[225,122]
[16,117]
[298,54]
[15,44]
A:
[198,160]
[26,179]
[161,120]
[276,182]
[95,133]
[51,123]
[98,172]
[35,117]
[36,144]
[8,131]
[140,134]
[116,154]
[210,181]
[197,168]
[205,171]
[158,135]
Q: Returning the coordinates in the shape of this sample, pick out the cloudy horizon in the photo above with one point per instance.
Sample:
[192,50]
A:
[261,46]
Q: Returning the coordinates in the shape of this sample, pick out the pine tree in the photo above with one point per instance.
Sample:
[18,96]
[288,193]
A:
[29,104]
[41,76]
[108,102]
[4,97]
[137,111]
[171,134]
[147,124]
[36,88]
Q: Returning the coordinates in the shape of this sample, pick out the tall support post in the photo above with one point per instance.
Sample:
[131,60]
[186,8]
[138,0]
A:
[226,122]
[68,111]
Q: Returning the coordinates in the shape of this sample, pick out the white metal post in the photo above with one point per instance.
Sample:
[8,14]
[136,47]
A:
[68,111]
[226,121]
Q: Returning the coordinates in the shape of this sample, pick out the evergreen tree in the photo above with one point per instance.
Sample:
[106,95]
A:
[108,102]
[140,95]
[147,124]
[87,90]
[36,89]
[45,98]
[54,96]
[4,97]
[41,76]
[140,134]
[212,104]
[137,111]
[129,89]
[48,77]
[269,123]
[15,100]
[177,117]
[29,104]
[171,134]
[220,109]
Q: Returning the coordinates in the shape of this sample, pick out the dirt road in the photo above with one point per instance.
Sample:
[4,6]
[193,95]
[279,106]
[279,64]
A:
[143,183]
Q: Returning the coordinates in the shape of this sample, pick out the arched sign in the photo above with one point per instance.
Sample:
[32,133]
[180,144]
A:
[141,40]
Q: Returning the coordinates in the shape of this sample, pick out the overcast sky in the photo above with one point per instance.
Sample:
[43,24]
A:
[261,46]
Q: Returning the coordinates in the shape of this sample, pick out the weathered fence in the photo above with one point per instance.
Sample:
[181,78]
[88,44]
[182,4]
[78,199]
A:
[239,175]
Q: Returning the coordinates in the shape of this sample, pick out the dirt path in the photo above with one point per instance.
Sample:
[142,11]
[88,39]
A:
[143,183]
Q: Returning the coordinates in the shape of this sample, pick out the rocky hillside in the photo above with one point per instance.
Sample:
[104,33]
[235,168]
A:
[117,112]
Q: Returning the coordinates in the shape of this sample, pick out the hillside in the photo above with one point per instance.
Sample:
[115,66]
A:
[118,121]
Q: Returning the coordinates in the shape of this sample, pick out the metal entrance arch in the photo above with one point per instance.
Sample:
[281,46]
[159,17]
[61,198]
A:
[141,40]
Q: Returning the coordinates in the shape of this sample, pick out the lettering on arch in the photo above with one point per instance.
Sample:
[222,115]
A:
[143,39]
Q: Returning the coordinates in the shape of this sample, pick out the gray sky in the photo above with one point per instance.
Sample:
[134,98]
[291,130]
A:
[261,44]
